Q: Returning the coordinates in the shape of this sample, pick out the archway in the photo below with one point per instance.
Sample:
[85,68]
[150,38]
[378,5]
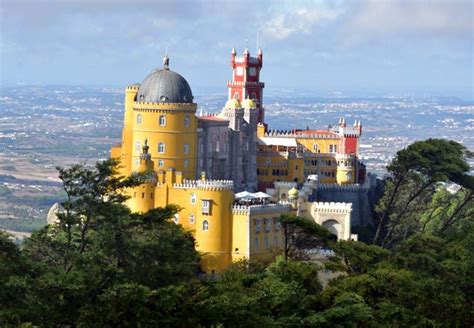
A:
[334,228]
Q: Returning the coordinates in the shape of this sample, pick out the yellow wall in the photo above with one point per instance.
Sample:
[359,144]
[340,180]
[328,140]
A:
[174,135]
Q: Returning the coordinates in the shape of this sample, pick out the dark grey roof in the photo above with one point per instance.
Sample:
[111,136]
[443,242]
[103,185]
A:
[164,85]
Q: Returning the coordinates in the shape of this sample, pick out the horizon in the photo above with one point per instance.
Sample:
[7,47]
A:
[416,49]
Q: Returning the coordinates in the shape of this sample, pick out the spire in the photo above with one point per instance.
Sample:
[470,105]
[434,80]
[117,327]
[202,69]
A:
[166,62]
[145,155]
[260,51]
[233,52]
[246,52]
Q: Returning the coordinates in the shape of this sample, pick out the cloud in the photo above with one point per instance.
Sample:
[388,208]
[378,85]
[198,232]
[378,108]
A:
[300,20]
[417,18]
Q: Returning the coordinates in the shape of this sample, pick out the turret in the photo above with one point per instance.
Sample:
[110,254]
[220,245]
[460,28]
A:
[233,53]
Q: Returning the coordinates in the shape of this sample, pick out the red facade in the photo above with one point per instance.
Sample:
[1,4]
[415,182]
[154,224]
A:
[246,79]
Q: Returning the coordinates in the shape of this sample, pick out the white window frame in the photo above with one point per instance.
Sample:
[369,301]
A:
[162,120]
[161,148]
[186,163]
[205,225]
[161,163]
[192,218]
[139,119]
[186,148]
[258,225]
[138,147]
[206,206]
[193,198]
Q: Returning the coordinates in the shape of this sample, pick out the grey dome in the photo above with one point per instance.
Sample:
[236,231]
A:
[164,85]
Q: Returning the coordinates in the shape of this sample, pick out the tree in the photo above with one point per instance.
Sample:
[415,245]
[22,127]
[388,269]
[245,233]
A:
[300,235]
[412,178]
[100,252]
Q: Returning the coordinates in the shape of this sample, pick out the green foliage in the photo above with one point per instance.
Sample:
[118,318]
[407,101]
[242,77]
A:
[413,176]
[300,235]
[107,267]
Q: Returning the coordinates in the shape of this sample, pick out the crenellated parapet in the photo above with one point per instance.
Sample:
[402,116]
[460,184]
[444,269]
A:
[336,187]
[333,207]
[212,185]
[144,106]
[284,184]
[260,209]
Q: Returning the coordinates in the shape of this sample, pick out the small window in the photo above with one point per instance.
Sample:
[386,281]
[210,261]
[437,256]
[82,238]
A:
[193,198]
[258,225]
[186,163]
[161,163]
[186,148]
[151,195]
[137,147]
[206,206]
[218,146]
[139,119]
[267,244]
[278,226]
[315,147]
[161,148]
[162,120]
[268,225]
[205,225]
[176,218]
[191,218]
[187,121]
[143,195]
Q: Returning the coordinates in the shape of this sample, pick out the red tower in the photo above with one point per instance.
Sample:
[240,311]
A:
[246,79]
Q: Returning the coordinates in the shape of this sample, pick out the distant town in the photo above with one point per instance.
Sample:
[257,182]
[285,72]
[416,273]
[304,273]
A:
[45,127]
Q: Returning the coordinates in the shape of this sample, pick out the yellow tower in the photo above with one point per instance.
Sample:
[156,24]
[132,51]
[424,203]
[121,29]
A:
[164,114]
[142,197]
[345,169]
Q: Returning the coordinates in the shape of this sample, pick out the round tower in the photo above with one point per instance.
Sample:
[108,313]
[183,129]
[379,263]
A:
[164,113]
[345,169]
[142,198]
[214,224]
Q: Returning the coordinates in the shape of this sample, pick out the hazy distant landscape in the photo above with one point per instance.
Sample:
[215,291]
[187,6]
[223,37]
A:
[45,127]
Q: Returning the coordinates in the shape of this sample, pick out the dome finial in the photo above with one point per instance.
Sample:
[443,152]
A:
[166,62]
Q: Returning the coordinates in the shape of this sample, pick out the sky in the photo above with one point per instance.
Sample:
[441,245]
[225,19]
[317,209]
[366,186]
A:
[365,47]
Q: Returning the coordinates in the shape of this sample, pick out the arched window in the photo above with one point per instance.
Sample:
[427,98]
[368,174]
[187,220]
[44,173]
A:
[139,119]
[162,120]
[191,218]
[218,146]
[193,198]
[161,148]
[186,148]
[205,225]
[187,121]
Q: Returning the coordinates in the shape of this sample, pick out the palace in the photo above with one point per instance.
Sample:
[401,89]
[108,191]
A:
[212,165]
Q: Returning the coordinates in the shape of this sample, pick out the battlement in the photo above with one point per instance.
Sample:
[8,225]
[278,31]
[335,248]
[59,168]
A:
[212,185]
[335,187]
[333,207]
[293,134]
[152,106]
[133,87]
[260,209]
[284,184]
